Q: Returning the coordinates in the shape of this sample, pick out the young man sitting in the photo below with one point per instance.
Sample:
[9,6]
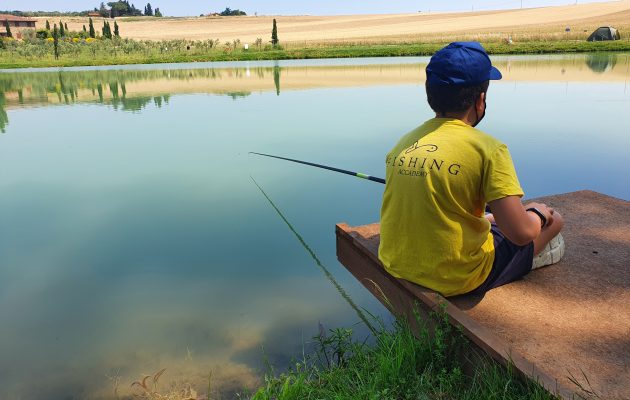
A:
[441,176]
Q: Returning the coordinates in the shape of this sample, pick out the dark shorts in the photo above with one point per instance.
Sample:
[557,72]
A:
[511,262]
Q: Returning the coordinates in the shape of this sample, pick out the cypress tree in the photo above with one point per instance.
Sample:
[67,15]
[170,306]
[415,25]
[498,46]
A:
[67,30]
[84,30]
[56,42]
[6,23]
[116,32]
[92,32]
[47,25]
[62,32]
[107,30]
[157,12]
[274,34]
[148,10]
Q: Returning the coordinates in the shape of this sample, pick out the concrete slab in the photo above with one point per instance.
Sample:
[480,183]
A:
[567,325]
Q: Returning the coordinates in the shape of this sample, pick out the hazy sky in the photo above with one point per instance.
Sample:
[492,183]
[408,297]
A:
[290,7]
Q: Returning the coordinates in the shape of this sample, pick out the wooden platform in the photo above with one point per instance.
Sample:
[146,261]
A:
[559,324]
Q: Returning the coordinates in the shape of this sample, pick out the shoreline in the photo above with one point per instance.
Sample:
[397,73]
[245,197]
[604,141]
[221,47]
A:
[313,52]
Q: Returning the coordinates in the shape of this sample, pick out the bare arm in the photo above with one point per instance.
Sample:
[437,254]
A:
[490,218]
[518,225]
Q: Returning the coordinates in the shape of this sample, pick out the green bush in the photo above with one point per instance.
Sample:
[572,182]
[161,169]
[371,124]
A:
[43,34]
[81,35]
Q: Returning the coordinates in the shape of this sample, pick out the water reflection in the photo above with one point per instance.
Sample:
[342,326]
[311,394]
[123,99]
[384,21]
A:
[238,95]
[276,79]
[601,62]
[4,117]
[132,89]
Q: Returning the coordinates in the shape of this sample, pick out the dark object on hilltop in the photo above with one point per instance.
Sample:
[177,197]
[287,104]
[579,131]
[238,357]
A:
[274,34]
[122,8]
[103,11]
[231,13]
[604,33]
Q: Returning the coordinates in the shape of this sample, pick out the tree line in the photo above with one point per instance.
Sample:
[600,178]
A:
[29,14]
[228,12]
[122,8]
[110,10]
[88,32]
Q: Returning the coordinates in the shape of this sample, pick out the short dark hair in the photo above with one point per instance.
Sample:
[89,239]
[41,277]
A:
[444,99]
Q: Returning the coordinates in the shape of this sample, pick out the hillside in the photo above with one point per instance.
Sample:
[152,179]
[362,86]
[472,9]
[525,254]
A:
[547,22]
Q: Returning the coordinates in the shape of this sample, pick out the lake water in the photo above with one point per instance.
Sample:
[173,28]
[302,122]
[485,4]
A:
[132,237]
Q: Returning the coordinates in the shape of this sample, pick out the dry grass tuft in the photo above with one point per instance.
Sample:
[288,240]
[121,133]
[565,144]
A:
[147,388]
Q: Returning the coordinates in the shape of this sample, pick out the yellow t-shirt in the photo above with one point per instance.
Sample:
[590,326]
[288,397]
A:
[439,178]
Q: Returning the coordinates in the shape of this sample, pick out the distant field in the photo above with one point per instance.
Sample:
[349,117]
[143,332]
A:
[523,24]
[176,40]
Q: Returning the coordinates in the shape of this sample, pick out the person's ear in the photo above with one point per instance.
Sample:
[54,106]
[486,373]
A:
[481,101]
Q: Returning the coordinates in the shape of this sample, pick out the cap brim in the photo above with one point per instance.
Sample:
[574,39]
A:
[495,74]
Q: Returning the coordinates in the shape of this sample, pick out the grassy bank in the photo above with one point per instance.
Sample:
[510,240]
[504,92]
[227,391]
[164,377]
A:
[118,52]
[396,366]
[393,362]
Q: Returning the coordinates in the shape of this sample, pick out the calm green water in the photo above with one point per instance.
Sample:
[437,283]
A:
[133,239]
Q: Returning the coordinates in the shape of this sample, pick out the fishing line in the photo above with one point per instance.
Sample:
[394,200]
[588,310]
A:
[327,273]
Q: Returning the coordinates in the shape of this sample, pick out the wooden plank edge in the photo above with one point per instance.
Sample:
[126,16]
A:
[394,293]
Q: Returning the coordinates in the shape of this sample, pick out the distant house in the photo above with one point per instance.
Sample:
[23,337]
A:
[16,24]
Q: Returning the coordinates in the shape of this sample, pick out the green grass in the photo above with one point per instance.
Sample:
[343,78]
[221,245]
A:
[105,52]
[397,366]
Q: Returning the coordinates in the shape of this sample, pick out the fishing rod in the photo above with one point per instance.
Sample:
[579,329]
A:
[343,171]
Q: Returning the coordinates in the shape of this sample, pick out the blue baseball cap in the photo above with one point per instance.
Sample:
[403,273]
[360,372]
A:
[461,63]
